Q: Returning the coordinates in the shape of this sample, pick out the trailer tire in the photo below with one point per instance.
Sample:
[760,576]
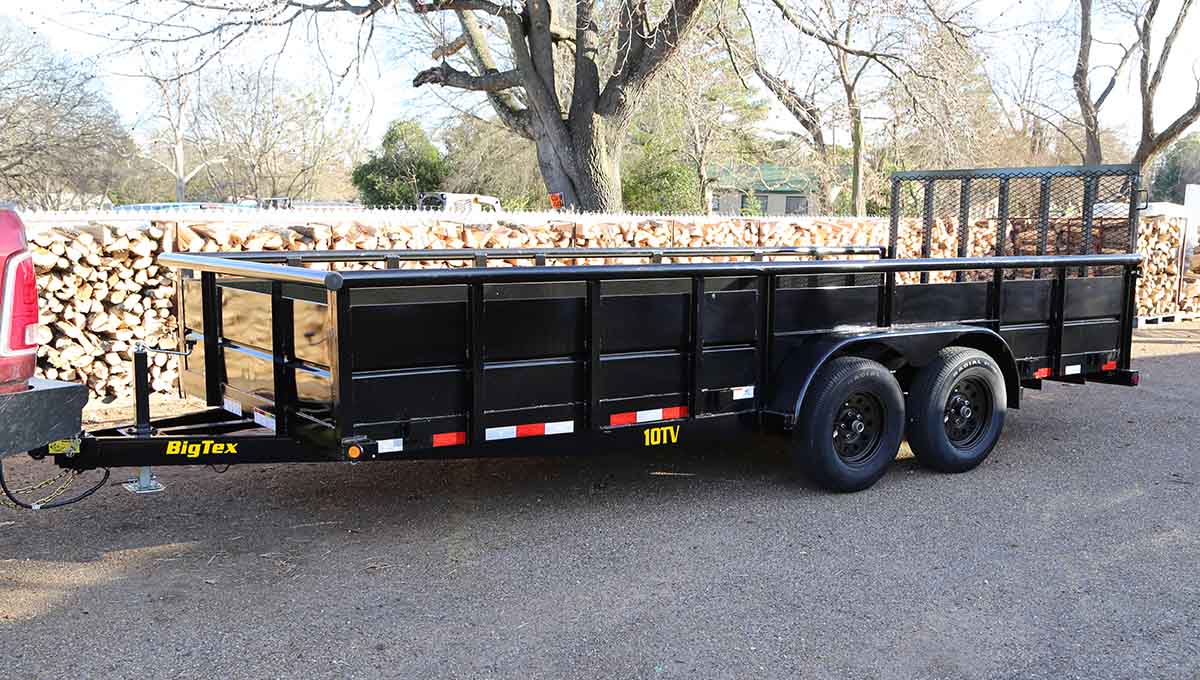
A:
[956,407]
[851,424]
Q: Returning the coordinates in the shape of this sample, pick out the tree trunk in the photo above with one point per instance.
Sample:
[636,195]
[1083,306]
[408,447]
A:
[180,172]
[858,198]
[589,175]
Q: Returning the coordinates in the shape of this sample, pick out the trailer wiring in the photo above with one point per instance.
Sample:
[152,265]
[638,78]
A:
[47,502]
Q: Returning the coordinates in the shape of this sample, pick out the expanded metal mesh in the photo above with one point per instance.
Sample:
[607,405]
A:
[1014,211]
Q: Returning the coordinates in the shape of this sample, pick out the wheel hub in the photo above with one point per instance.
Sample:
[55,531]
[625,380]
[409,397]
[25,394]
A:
[967,412]
[857,427]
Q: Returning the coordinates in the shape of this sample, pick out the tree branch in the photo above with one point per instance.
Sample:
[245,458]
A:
[195,171]
[447,76]
[1161,66]
[506,106]
[616,100]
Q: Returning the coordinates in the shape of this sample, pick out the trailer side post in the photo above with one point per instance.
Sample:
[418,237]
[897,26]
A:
[593,346]
[282,350]
[342,366]
[763,366]
[475,357]
[696,358]
[1058,305]
[996,299]
[1129,315]
[210,296]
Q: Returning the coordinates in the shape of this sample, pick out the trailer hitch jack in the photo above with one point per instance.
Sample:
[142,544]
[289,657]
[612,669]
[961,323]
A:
[145,482]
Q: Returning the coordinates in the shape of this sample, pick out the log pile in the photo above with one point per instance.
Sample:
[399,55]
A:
[102,291]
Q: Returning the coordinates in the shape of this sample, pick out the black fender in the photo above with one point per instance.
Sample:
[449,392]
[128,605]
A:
[915,347]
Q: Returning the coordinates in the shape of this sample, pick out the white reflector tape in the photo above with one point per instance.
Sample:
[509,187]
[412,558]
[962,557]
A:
[493,433]
[1073,369]
[264,419]
[561,427]
[650,416]
[746,392]
[390,445]
[233,407]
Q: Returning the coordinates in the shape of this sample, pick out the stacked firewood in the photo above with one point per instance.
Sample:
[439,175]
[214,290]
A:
[1162,288]
[101,292]
[102,289]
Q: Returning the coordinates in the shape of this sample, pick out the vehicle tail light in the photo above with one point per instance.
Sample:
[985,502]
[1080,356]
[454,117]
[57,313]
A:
[19,307]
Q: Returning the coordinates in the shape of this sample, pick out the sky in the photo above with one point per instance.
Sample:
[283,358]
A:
[382,91]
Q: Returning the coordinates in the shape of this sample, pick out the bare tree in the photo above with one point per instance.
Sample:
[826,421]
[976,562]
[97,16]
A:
[1150,76]
[58,133]
[862,39]
[275,138]
[175,92]
[1089,106]
[702,107]
[1145,17]
[566,77]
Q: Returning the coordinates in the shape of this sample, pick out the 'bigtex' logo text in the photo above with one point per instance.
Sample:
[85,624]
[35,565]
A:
[202,448]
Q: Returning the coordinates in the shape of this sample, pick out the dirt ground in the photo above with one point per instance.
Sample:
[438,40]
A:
[1071,553]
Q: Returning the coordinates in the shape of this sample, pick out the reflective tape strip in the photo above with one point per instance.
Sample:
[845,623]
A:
[450,439]
[390,445]
[561,427]
[647,416]
[493,433]
[1073,369]
[529,430]
[627,418]
[746,392]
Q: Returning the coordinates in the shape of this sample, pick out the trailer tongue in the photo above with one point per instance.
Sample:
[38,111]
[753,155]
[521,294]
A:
[302,359]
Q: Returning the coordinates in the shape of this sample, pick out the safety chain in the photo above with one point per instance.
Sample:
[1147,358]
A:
[70,477]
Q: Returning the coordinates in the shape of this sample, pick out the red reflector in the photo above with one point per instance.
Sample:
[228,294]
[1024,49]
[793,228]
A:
[1042,373]
[1136,379]
[674,412]
[628,418]
[450,439]
[532,430]
[1109,366]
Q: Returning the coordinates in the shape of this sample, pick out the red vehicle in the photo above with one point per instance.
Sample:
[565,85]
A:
[33,412]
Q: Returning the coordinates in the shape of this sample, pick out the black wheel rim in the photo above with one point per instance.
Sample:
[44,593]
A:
[968,412]
[858,427]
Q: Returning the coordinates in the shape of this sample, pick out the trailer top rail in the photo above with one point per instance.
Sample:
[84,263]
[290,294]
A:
[334,280]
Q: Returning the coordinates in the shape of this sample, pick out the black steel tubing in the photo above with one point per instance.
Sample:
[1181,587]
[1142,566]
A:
[359,279]
[1002,173]
[650,271]
[222,263]
[463,254]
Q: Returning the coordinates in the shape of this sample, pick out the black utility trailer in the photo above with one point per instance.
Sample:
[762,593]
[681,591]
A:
[350,356]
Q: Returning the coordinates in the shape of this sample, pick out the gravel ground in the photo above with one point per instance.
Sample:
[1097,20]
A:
[1071,553]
